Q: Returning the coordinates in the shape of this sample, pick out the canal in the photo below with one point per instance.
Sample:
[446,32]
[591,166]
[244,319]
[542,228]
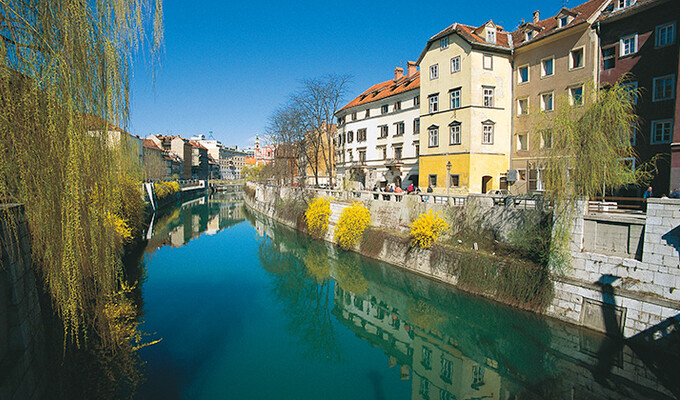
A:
[249,309]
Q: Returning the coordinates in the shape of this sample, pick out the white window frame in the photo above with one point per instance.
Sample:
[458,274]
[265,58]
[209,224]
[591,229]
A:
[486,96]
[564,21]
[433,137]
[655,94]
[519,175]
[519,142]
[544,143]
[582,49]
[543,74]
[621,4]
[622,47]
[489,58]
[487,133]
[490,35]
[528,34]
[455,64]
[657,34]
[457,91]
[552,101]
[519,74]
[433,103]
[444,43]
[670,131]
[400,126]
[434,71]
[455,134]
[523,110]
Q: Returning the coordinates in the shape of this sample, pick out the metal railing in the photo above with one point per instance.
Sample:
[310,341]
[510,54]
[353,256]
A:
[617,205]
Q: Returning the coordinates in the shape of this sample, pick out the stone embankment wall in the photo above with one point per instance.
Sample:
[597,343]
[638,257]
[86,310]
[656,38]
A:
[639,291]
[22,337]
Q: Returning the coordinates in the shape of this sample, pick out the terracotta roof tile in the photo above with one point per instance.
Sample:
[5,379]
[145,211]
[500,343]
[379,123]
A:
[582,13]
[148,143]
[385,89]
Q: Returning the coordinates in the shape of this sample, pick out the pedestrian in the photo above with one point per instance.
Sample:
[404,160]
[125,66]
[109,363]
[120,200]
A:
[410,189]
[648,193]
[675,194]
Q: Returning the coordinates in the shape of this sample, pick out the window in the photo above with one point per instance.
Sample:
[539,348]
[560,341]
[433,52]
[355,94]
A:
[523,74]
[522,142]
[417,150]
[354,116]
[447,367]
[361,135]
[362,156]
[416,126]
[434,71]
[546,139]
[384,109]
[487,62]
[547,67]
[487,93]
[665,34]
[400,128]
[384,152]
[628,45]
[564,21]
[444,43]
[631,88]
[528,35]
[433,134]
[351,155]
[608,58]
[424,390]
[477,375]
[491,35]
[576,96]
[576,58]
[547,101]
[661,131]
[454,133]
[455,64]
[384,131]
[432,180]
[434,103]
[623,3]
[628,163]
[397,105]
[350,137]
[522,106]
[487,132]
[663,88]
[455,98]
[445,395]
[631,135]
[454,180]
[522,175]
[397,153]
[416,101]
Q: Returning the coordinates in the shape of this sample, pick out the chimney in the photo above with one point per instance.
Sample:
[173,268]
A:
[398,73]
[537,16]
[411,68]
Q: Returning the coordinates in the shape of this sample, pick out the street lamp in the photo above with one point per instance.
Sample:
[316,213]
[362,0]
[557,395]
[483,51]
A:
[448,179]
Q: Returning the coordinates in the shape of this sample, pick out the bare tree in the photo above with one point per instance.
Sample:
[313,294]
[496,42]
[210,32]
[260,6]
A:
[286,133]
[318,100]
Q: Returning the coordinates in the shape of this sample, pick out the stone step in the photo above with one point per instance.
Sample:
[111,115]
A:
[336,210]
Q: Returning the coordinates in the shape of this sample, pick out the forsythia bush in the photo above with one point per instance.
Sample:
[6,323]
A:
[317,215]
[426,229]
[351,225]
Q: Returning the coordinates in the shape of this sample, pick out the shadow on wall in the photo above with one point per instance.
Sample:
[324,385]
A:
[661,340]
[672,238]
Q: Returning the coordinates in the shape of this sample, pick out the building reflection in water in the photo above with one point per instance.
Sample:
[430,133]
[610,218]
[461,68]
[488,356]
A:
[449,344]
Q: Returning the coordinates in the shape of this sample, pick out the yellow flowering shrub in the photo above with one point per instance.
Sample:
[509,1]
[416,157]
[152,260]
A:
[352,223]
[165,189]
[317,214]
[426,229]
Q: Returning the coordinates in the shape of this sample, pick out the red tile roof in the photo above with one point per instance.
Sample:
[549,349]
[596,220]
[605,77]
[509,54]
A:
[149,144]
[582,13]
[640,5]
[198,145]
[385,89]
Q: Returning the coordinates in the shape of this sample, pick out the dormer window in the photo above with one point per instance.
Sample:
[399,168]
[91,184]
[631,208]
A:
[564,21]
[490,35]
[528,35]
[624,3]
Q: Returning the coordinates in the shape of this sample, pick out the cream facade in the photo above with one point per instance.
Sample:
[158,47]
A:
[378,134]
[465,109]
[556,61]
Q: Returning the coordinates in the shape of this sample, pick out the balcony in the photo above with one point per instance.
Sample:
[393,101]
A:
[394,162]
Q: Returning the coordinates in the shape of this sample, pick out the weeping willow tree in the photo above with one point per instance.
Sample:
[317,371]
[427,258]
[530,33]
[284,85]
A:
[585,149]
[65,68]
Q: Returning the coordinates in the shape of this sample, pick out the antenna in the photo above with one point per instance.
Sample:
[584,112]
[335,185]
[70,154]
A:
[210,135]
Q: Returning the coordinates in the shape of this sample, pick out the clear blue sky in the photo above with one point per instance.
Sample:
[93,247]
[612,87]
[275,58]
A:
[226,65]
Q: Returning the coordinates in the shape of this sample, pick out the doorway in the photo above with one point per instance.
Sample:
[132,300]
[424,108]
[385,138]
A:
[486,183]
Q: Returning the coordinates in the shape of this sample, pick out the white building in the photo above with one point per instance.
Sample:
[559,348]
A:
[231,159]
[377,139]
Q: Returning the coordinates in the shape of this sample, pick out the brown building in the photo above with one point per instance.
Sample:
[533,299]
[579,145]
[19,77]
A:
[178,146]
[555,59]
[200,169]
[156,166]
[641,40]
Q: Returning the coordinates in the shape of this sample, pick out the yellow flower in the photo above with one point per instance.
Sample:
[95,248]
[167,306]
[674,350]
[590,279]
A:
[317,214]
[352,223]
[426,229]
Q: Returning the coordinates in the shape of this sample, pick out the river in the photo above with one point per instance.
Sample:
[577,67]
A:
[249,309]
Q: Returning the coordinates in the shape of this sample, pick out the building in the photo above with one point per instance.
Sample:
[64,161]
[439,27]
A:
[232,163]
[263,154]
[378,133]
[178,146]
[200,169]
[318,160]
[156,166]
[214,167]
[555,59]
[641,39]
[465,108]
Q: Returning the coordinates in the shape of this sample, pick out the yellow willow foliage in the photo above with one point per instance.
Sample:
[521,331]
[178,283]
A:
[425,230]
[352,223]
[64,72]
[165,189]
[317,215]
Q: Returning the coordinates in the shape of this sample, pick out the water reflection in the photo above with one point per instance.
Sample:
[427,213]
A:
[448,344]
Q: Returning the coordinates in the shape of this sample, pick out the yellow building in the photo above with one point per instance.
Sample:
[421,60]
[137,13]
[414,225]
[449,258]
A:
[466,108]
